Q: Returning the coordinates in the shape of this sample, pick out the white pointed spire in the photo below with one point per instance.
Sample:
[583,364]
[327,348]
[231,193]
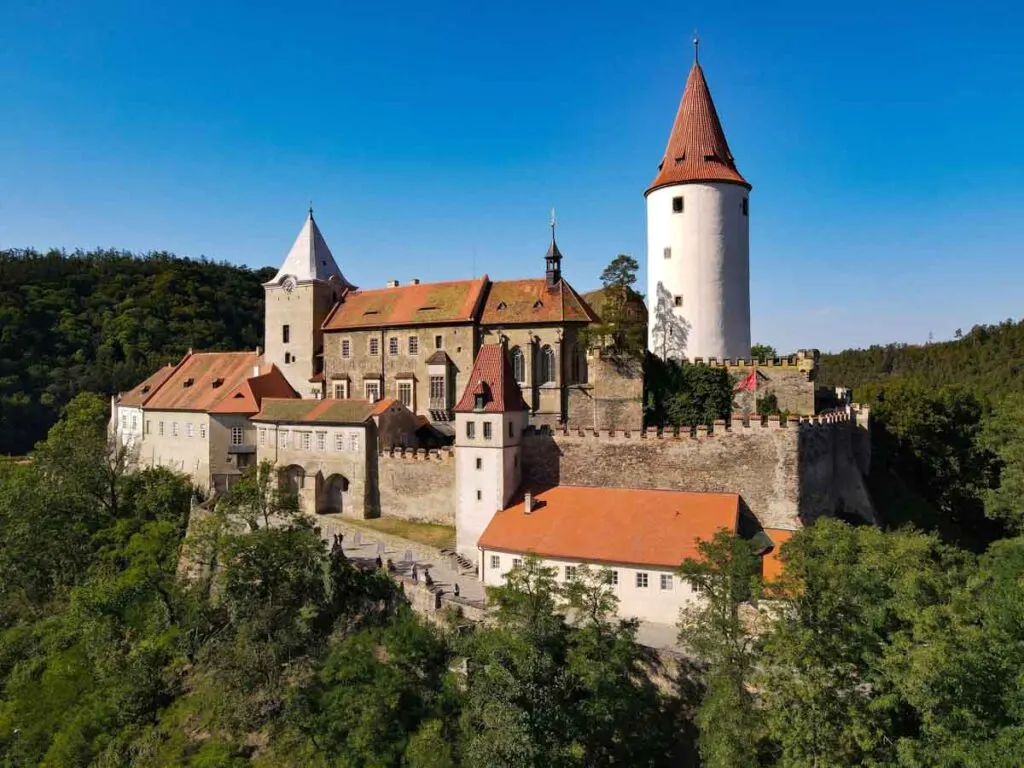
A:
[310,258]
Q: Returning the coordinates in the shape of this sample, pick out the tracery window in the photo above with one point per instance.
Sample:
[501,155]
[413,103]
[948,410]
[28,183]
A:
[518,364]
[547,365]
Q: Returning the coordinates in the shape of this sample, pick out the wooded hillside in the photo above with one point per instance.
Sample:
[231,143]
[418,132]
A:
[101,321]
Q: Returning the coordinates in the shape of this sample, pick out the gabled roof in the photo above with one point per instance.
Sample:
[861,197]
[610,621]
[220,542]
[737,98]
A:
[137,396]
[247,396]
[415,304]
[512,302]
[310,258]
[492,376]
[613,525]
[318,411]
[697,149]
[203,379]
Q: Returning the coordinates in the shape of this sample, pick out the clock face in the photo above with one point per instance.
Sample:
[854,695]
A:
[289,284]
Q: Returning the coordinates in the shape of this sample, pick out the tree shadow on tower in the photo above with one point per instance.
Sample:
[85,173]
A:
[670,334]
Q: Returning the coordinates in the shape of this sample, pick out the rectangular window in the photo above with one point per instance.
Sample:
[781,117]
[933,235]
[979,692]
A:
[286,334]
[746,206]
[405,393]
[339,441]
[666,581]
[479,463]
[641,581]
[307,440]
[414,345]
[510,430]
[471,429]
[437,393]
[346,348]
[134,422]
[667,253]
[393,346]
[479,495]
[149,427]
[174,429]
[611,578]
[321,441]
[339,391]
[678,301]
[570,572]
[677,205]
[190,430]
[372,389]
[283,438]
[374,345]
[202,431]
[517,562]
[495,562]
[236,435]
[263,437]
[438,342]
[124,422]
[487,430]
[353,442]
[161,429]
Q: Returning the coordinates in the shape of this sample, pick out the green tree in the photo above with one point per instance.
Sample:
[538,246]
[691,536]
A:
[1003,435]
[685,394]
[258,496]
[717,630]
[621,327]
[763,352]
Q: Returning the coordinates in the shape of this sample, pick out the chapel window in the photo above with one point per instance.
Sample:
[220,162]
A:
[518,364]
[547,365]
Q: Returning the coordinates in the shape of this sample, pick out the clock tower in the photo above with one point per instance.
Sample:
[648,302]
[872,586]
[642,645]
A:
[298,298]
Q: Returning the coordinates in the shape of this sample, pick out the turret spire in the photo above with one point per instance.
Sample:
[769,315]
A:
[310,258]
[553,258]
[697,149]
[696,47]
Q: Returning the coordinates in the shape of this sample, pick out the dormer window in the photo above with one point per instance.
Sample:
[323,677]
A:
[478,403]
[502,306]
[188,382]
[145,389]
[538,304]
[217,382]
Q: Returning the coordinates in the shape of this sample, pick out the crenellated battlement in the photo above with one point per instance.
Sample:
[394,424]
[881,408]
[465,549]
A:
[738,424]
[418,454]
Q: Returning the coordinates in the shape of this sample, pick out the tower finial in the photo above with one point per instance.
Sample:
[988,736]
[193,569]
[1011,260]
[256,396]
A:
[552,225]
[311,209]
[696,47]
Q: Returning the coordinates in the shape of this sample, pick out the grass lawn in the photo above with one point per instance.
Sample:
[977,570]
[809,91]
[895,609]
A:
[431,534]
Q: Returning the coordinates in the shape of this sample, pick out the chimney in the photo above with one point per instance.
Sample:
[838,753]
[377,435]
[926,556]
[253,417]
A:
[528,503]
[392,283]
[259,350]
[414,281]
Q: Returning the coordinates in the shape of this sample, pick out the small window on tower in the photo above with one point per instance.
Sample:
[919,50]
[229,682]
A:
[668,253]
[677,205]
[678,301]
[286,333]
[746,206]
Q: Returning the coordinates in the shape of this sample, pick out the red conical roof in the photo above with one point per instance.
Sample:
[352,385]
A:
[697,149]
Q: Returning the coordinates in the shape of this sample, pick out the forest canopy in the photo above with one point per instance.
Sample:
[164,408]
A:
[101,321]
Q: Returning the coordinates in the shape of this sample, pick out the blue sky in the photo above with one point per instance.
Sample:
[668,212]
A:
[883,141]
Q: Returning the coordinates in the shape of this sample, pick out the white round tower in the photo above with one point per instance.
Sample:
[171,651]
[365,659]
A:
[698,239]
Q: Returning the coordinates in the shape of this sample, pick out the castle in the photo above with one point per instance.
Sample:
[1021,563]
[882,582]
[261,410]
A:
[478,403]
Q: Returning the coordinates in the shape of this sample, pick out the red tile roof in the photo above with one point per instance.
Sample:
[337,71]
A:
[511,302]
[613,525]
[492,372]
[190,387]
[247,396]
[137,397]
[422,304]
[697,149]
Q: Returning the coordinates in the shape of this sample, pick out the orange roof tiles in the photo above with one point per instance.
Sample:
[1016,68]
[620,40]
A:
[697,149]
[422,304]
[530,301]
[613,525]
[190,387]
[381,406]
[136,397]
[247,396]
[771,565]
[492,374]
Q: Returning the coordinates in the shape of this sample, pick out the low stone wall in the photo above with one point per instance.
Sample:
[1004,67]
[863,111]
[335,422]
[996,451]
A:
[417,485]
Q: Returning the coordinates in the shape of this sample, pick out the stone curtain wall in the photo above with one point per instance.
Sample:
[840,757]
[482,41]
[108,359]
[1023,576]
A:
[784,473]
[790,378]
[612,398]
[417,485]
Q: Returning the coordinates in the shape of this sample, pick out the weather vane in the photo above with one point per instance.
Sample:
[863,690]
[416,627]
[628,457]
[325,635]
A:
[696,47]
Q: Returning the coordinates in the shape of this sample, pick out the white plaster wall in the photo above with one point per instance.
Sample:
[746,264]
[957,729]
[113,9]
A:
[646,604]
[128,423]
[709,267]
[181,453]
[496,480]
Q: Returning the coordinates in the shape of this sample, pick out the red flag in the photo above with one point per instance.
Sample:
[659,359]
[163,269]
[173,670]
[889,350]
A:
[748,384]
